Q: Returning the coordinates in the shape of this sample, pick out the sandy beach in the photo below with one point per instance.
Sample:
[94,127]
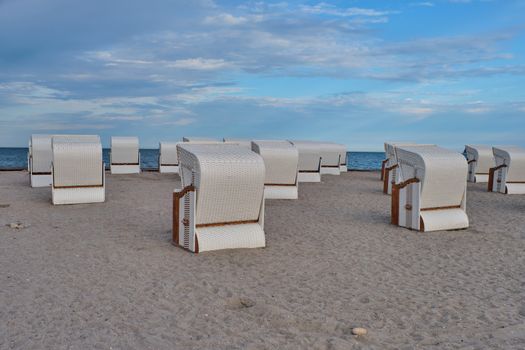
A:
[106,276]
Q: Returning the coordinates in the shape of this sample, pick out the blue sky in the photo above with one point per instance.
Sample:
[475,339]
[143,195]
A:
[357,72]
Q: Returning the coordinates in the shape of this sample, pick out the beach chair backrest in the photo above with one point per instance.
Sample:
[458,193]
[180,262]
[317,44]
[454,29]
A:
[229,181]
[77,161]
[442,173]
[281,160]
[124,150]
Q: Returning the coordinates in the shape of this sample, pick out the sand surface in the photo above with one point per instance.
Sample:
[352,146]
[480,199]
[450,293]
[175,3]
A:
[105,276]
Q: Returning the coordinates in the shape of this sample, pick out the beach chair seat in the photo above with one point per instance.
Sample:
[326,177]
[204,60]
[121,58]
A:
[281,160]
[432,194]
[77,170]
[40,157]
[309,164]
[168,159]
[480,159]
[221,204]
[125,156]
[508,176]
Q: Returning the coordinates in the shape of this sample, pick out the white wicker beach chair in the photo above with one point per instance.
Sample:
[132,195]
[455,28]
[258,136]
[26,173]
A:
[240,142]
[309,166]
[281,160]
[77,170]
[391,175]
[39,160]
[432,195]
[125,156]
[221,204]
[330,158]
[168,159]
[333,157]
[480,159]
[508,176]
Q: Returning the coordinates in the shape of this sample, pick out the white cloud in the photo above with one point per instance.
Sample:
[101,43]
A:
[30,90]
[225,18]
[184,121]
[477,110]
[332,10]
[417,111]
[423,4]
[199,64]
[66,126]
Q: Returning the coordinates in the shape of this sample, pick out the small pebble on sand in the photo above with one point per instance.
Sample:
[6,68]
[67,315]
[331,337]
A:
[16,225]
[359,331]
[247,302]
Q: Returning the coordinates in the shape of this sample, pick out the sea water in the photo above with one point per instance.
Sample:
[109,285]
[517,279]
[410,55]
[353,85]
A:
[16,158]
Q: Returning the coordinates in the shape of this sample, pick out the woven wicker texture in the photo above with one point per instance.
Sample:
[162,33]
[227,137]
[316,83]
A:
[482,155]
[514,158]
[77,160]
[281,159]
[41,153]
[168,153]
[124,150]
[229,181]
[443,174]
[309,155]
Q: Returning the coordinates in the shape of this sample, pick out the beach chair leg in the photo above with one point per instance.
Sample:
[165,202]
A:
[184,234]
[383,166]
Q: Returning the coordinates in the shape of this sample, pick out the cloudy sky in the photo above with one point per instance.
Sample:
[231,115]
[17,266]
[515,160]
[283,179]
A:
[356,72]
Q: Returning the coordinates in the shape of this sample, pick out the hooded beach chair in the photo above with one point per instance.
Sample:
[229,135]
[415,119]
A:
[39,160]
[508,176]
[309,165]
[331,157]
[281,160]
[168,160]
[221,204]
[77,170]
[124,157]
[480,159]
[432,195]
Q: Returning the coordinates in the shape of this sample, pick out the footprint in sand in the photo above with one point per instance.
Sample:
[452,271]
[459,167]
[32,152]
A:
[239,303]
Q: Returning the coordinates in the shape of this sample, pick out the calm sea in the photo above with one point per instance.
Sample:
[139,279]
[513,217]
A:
[16,158]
